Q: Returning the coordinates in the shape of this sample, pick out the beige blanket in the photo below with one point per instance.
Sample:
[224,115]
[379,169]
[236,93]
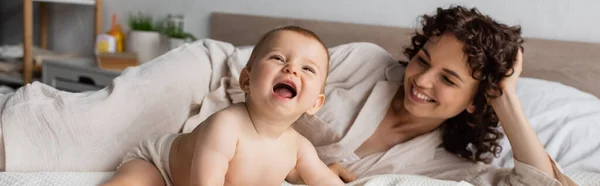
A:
[49,130]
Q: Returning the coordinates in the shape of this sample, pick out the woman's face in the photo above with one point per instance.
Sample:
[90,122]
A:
[438,82]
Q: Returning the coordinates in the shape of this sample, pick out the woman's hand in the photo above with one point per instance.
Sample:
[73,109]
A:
[508,84]
[342,172]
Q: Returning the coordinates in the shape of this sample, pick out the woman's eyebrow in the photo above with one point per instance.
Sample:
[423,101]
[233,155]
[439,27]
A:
[426,52]
[452,73]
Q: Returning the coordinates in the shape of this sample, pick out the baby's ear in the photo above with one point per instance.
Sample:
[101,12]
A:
[317,106]
[245,80]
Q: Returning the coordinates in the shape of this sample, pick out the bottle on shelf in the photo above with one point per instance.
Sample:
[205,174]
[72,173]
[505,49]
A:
[117,33]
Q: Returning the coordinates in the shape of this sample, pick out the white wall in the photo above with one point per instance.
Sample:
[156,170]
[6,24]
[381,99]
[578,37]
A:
[575,20]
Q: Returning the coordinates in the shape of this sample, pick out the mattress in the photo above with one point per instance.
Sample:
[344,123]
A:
[96,178]
[54,178]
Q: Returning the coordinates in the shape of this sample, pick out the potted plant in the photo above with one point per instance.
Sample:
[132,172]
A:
[143,38]
[172,27]
[177,38]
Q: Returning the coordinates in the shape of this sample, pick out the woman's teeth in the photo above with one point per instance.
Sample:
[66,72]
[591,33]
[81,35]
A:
[421,96]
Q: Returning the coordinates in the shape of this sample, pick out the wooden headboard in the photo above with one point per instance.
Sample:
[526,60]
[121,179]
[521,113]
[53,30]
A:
[573,63]
[247,29]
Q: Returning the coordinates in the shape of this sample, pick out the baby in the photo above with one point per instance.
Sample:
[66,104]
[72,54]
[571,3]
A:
[249,143]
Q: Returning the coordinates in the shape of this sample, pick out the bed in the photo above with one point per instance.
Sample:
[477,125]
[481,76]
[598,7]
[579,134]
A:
[559,80]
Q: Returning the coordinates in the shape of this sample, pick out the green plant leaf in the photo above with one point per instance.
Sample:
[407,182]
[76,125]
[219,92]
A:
[141,22]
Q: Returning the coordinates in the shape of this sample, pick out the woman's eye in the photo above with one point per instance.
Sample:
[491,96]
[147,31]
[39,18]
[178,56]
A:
[422,61]
[310,69]
[447,80]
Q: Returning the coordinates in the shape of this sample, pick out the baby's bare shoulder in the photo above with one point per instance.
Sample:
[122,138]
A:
[227,121]
[302,143]
[230,116]
[297,139]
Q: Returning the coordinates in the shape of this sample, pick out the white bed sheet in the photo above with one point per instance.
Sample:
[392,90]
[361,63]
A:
[566,120]
[54,178]
[96,178]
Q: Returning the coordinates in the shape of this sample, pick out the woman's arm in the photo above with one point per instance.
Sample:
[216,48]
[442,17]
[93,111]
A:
[526,146]
[523,140]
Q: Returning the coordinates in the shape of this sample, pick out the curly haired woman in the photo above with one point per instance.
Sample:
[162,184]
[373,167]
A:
[440,114]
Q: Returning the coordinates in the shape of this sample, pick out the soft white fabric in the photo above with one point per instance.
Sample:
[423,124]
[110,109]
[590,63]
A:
[54,178]
[400,180]
[3,97]
[96,178]
[49,130]
[566,120]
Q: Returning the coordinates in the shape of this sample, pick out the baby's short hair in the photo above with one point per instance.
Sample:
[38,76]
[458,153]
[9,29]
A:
[293,28]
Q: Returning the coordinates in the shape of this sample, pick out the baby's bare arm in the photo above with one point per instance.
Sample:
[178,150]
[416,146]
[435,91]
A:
[215,147]
[294,178]
[312,170]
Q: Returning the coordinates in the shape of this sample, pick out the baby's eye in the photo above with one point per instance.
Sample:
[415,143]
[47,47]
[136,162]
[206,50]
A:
[308,68]
[278,58]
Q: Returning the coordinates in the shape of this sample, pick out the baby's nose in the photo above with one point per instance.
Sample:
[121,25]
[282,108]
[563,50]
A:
[290,69]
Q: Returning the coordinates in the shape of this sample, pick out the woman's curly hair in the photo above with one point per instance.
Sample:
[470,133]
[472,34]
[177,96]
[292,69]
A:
[491,48]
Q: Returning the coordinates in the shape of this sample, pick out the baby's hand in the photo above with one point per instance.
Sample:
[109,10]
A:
[342,172]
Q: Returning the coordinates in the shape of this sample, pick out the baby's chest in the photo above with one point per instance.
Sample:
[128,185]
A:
[263,164]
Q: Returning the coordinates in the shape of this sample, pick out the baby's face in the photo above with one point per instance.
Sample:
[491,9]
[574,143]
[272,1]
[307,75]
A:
[288,74]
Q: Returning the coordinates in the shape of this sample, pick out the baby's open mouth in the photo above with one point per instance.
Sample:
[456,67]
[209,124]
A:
[285,90]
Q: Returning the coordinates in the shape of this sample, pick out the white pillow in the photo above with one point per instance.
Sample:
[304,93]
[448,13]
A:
[243,53]
[237,61]
[566,120]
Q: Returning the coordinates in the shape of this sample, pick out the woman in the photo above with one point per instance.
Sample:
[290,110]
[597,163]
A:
[438,115]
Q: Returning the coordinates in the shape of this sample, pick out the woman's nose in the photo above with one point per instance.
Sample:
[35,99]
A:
[424,79]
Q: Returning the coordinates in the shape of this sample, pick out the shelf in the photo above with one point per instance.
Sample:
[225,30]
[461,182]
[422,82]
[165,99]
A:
[16,79]
[28,13]
[13,79]
[79,2]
